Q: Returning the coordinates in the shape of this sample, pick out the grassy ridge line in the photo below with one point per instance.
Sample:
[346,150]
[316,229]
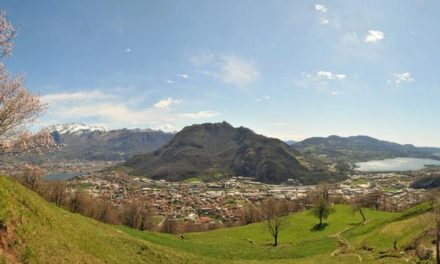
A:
[42,233]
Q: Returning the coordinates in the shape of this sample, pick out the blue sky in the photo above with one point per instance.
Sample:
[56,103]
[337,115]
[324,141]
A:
[286,69]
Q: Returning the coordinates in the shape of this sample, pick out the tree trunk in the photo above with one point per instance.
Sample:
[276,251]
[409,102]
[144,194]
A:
[275,242]
[362,213]
[320,220]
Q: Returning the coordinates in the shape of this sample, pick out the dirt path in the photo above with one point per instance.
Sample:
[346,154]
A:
[344,246]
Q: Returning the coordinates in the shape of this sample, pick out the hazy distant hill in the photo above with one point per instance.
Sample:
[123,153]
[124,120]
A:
[217,150]
[96,143]
[362,148]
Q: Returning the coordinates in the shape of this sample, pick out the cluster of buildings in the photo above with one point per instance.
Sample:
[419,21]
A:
[394,187]
[222,201]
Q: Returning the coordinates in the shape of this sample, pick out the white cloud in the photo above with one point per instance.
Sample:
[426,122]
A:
[165,103]
[320,8]
[168,81]
[115,112]
[127,50]
[262,98]
[324,21]
[374,36]
[353,45]
[108,111]
[74,96]
[330,76]
[399,78]
[183,75]
[325,82]
[227,68]
[201,114]
[238,71]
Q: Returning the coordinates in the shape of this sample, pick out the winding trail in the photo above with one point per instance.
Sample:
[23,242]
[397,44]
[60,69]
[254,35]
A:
[344,246]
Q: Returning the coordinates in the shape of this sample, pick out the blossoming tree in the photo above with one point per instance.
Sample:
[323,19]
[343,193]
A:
[19,108]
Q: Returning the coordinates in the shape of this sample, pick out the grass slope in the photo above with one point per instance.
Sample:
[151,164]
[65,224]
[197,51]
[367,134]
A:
[339,242]
[39,232]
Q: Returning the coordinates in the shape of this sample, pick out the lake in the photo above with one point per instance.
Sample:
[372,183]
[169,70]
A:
[397,164]
[60,176]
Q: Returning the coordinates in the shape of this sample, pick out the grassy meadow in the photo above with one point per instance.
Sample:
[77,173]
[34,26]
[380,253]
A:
[39,232]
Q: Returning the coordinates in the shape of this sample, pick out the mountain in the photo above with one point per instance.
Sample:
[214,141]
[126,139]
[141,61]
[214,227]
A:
[215,150]
[80,141]
[362,148]
[75,128]
[33,230]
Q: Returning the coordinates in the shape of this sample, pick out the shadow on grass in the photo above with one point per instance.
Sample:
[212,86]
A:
[319,227]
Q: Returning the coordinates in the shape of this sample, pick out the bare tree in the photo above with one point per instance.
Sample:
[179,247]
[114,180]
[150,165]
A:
[357,204]
[169,225]
[130,214]
[58,193]
[325,192]
[30,175]
[374,199]
[144,217]
[251,213]
[80,202]
[273,213]
[137,214]
[102,209]
[322,192]
[192,227]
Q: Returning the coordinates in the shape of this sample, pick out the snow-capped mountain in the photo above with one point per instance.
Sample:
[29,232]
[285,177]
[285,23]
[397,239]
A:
[75,128]
[81,141]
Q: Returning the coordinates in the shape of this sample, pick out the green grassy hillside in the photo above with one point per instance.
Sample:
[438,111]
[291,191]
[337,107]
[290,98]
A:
[38,232]
[340,242]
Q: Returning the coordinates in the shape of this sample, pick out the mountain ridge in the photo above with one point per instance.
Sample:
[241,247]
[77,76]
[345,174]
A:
[219,150]
[75,128]
[94,143]
[362,148]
